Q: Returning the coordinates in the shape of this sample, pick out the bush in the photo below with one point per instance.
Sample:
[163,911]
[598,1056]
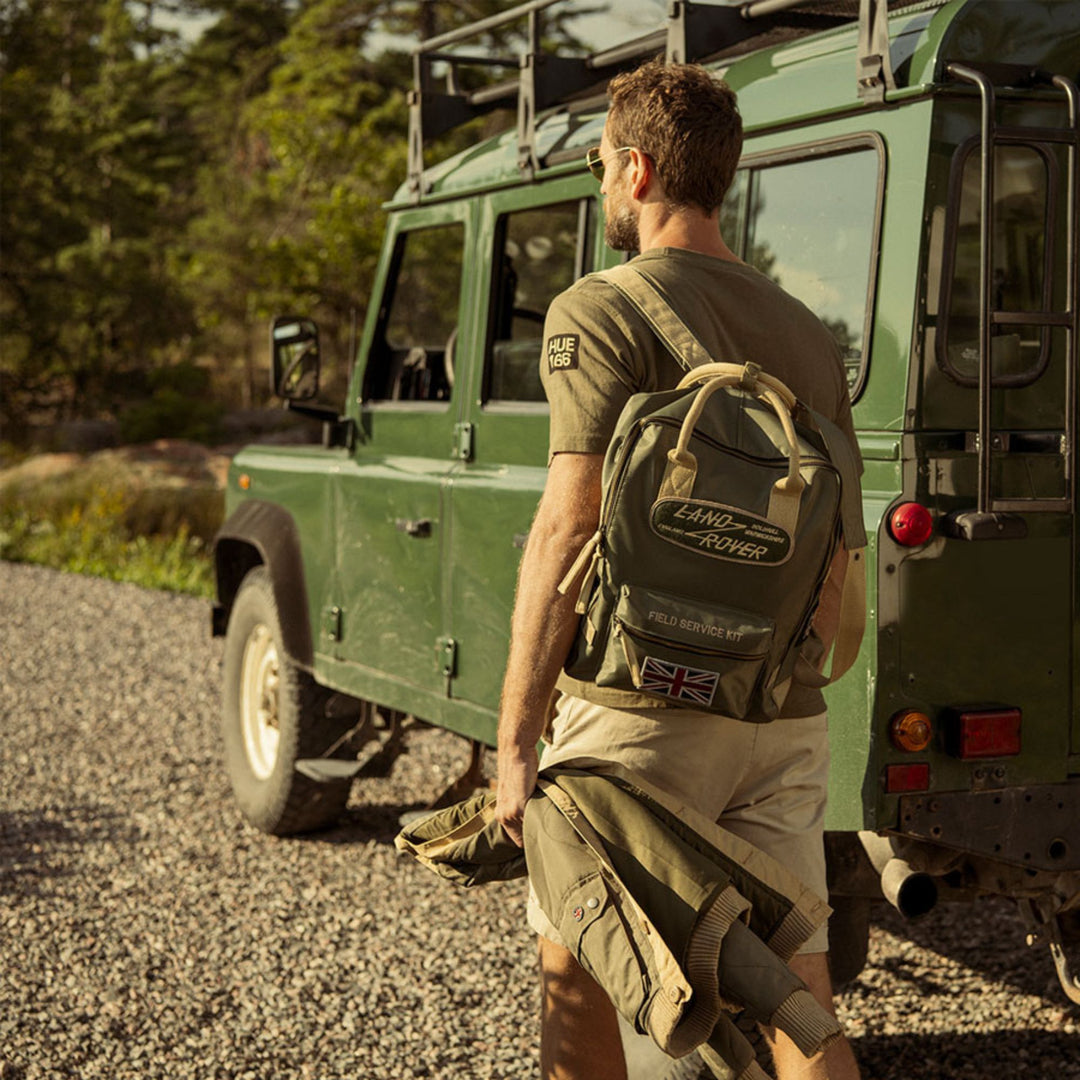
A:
[91,532]
[181,406]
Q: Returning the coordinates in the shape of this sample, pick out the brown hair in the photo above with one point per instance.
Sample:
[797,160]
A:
[688,123]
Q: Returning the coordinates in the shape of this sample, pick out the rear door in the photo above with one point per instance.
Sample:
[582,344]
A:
[541,239]
[987,611]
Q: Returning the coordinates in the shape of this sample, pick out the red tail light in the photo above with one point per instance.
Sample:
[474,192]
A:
[911,524]
[985,733]
[901,778]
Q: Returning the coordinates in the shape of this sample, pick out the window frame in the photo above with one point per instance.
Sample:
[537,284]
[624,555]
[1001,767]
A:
[583,257]
[813,151]
[959,162]
[406,226]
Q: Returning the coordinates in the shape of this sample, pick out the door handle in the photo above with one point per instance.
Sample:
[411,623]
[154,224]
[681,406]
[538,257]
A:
[418,527]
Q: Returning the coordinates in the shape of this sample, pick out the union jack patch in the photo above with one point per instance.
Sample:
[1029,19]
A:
[681,683]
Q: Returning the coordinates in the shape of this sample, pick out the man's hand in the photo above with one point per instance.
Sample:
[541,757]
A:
[517,781]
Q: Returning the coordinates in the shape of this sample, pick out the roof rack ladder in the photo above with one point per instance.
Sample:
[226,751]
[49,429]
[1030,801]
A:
[873,70]
[694,31]
[995,518]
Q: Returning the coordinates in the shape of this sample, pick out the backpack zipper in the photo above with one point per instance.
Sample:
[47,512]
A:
[620,627]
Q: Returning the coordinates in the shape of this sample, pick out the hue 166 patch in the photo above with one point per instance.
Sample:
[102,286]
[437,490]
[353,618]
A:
[562,352]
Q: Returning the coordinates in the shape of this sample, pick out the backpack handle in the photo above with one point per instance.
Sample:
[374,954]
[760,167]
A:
[681,472]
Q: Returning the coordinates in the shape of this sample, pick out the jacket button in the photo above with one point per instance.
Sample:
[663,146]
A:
[592,902]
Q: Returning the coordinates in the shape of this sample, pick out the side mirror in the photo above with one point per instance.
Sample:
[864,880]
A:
[294,352]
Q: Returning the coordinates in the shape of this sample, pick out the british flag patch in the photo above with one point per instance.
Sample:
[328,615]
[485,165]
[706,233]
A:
[681,683]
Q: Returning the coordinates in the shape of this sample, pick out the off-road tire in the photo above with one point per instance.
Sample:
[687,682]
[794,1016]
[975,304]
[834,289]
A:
[277,696]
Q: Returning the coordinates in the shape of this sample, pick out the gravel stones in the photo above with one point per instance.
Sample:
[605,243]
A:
[147,932]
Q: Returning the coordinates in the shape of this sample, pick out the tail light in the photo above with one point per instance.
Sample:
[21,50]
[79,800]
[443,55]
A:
[910,524]
[910,730]
[903,778]
[984,733]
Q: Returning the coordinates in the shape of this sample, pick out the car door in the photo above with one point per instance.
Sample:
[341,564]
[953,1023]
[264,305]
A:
[391,494]
[541,241]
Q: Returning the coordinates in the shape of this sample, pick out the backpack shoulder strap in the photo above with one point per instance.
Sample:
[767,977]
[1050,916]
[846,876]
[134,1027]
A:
[843,458]
[643,293]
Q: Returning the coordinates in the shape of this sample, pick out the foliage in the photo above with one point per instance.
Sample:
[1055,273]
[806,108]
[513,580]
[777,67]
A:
[180,405]
[170,196]
[91,537]
[86,215]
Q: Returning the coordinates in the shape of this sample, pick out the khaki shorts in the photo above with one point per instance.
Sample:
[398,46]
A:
[766,783]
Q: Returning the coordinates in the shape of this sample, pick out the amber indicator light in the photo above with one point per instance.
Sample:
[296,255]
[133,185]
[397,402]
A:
[985,733]
[911,524]
[910,730]
[901,778]
[243,482]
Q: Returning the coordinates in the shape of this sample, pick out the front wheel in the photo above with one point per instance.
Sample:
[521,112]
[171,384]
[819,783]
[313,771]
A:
[274,714]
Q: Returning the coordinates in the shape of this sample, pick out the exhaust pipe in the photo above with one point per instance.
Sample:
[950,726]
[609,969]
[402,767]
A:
[912,892]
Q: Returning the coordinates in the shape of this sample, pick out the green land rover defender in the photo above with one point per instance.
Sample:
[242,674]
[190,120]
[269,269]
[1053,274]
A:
[910,173]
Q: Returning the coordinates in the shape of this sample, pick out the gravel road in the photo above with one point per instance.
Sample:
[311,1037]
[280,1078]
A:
[147,932]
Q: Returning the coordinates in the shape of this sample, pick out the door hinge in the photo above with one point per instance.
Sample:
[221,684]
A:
[463,441]
[446,648]
[332,623]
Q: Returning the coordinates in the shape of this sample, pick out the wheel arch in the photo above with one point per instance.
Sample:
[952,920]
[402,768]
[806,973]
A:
[262,533]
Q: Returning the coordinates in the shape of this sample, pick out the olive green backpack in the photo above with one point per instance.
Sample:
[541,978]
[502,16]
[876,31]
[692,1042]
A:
[721,516]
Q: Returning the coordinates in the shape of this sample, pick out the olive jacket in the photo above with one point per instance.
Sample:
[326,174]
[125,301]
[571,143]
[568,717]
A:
[684,925]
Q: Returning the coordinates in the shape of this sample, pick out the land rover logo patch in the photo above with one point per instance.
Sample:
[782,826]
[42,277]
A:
[721,532]
[562,352]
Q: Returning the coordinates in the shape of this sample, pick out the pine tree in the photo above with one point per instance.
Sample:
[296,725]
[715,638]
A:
[84,289]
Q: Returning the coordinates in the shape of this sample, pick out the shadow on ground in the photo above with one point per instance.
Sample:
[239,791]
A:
[1039,1055]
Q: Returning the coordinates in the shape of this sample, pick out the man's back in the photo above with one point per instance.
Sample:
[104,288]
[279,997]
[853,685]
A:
[737,313]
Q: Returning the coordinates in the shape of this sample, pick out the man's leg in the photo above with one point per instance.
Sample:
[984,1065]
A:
[837,1062]
[579,1037]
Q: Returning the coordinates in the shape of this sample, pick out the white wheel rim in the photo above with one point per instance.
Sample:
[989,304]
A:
[259,689]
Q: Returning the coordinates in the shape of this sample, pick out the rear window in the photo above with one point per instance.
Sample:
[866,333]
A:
[1021,253]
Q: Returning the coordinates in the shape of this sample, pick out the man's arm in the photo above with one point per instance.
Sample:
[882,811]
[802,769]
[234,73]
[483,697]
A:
[543,625]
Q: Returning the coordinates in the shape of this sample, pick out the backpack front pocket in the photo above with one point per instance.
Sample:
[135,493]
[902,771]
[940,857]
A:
[698,655]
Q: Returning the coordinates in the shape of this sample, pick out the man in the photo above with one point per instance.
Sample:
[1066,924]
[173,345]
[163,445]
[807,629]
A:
[668,153]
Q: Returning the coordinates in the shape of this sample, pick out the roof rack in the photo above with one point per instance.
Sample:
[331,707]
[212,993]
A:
[694,31]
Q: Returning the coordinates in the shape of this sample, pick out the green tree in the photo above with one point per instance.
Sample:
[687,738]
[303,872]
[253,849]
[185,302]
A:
[84,289]
[292,216]
[219,260]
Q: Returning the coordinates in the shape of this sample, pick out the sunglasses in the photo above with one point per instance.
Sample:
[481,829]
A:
[594,160]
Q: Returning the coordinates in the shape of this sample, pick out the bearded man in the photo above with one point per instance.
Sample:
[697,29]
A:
[667,156]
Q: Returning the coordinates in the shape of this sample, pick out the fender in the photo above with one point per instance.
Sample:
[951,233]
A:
[257,533]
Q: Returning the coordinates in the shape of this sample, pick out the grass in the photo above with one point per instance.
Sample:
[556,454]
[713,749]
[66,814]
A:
[157,538]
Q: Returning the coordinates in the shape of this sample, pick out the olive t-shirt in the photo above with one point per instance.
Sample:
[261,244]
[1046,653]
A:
[598,351]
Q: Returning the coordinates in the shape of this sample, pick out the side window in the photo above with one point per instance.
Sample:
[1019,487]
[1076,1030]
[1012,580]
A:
[412,355]
[538,253]
[811,225]
[1022,252]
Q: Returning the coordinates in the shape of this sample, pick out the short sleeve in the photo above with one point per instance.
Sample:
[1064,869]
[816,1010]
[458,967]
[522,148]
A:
[588,369]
